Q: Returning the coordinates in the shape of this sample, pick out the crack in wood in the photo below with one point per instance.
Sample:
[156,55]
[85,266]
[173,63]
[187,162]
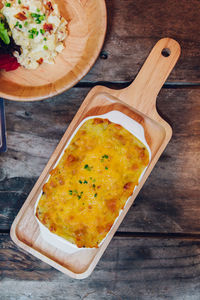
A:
[153,235]
[123,84]
[168,235]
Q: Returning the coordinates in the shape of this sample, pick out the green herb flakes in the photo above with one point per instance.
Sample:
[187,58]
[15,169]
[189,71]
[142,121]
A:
[87,167]
[105,156]
[42,31]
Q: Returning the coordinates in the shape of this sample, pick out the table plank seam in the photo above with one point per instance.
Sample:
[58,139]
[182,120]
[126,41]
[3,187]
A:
[152,235]
[124,84]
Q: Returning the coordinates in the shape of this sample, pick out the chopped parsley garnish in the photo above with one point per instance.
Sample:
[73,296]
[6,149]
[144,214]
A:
[18,24]
[106,168]
[80,195]
[94,185]
[80,181]
[33,32]
[34,15]
[95,195]
[38,18]
[19,1]
[45,47]
[42,31]
[38,10]
[45,39]
[87,167]
[41,18]
[8,4]
[104,156]
[25,23]
[85,182]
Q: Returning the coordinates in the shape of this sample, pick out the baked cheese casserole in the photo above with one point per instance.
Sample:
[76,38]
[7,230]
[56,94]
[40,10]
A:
[91,183]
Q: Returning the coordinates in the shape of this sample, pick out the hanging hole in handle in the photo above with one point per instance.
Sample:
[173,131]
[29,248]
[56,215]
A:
[166,52]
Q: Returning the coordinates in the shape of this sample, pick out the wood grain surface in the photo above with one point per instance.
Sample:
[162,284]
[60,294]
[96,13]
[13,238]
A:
[135,26]
[135,265]
[130,269]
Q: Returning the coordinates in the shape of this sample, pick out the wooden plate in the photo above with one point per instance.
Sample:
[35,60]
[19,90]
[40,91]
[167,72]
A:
[138,101]
[87,27]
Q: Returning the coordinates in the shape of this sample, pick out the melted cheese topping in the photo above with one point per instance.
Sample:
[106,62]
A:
[92,182]
[37,28]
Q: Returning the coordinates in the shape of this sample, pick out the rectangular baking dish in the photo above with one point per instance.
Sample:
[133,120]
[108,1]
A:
[138,102]
[114,116]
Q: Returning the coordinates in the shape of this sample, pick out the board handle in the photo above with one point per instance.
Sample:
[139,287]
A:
[142,93]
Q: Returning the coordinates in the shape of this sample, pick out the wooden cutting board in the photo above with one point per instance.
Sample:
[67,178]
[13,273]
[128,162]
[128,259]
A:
[138,101]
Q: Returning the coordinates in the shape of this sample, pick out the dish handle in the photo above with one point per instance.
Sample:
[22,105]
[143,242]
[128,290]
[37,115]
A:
[142,93]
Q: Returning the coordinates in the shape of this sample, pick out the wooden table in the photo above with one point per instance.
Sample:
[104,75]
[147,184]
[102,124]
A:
[156,252]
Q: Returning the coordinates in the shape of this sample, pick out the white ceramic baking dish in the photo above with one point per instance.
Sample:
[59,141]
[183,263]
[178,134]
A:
[116,117]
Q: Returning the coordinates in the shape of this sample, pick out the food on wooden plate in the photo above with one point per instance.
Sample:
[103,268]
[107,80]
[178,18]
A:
[91,183]
[38,28]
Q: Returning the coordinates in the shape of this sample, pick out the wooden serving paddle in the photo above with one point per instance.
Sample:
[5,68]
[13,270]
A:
[138,101]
